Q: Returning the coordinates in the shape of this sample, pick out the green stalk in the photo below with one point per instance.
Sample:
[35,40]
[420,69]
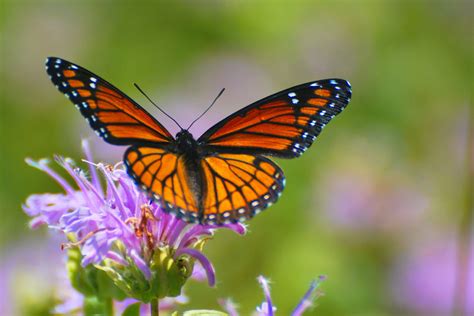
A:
[154,305]
[109,306]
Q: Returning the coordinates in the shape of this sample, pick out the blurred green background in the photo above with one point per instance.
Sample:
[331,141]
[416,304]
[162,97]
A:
[375,204]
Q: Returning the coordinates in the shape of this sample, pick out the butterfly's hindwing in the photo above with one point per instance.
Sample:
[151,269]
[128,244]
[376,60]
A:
[164,175]
[238,187]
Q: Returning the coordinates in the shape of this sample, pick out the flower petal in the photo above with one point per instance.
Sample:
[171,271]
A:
[229,306]
[141,264]
[43,166]
[117,198]
[205,263]
[267,307]
[94,176]
[308,298]
[47,208]
[96,247]
[66,164]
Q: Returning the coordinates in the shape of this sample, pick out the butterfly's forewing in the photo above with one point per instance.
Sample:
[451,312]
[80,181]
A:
[284,124]
[165,176]
[238,187]
[114,116]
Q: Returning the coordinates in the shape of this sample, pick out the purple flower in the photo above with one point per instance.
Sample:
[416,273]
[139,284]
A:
[119,229]
[425,280]
[267,308]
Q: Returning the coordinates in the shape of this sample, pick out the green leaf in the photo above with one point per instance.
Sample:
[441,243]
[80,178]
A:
[94,306]
[132,310]
[77,274]
[89,280]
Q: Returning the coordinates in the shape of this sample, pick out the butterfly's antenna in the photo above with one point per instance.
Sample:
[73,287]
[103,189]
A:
[208,108]
[139,89]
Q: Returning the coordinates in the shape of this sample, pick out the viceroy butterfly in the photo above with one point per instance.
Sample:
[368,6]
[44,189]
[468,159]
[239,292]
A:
[224,176]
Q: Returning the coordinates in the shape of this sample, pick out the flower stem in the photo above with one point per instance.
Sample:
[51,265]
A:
[109,306]
[154,307]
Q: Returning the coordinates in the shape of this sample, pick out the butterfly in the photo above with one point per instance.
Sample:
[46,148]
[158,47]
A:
[225,175]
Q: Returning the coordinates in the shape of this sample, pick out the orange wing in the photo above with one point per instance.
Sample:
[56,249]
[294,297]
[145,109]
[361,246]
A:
[232,188]
[165,176]
[114,116]
[284,124]
[237,187]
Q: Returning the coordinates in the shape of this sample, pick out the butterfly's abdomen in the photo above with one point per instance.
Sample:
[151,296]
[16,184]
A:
[188,147]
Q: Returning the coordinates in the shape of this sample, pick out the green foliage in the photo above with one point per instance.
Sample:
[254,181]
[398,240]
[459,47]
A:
[132,310]
[97,287]
[89,280]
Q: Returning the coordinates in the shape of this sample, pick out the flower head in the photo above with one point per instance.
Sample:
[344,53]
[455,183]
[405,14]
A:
[118,229]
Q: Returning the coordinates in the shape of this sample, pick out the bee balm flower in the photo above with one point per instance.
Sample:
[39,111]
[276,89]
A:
[147,253]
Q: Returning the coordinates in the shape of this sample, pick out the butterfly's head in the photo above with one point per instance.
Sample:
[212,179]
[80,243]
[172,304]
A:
[185,140]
